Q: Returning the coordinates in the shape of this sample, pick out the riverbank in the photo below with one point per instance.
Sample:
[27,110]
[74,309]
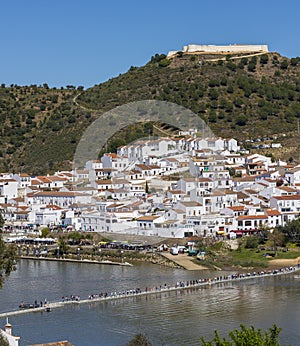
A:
[284,262]
[154,258]
[76,260]
[184,261]
[181,261]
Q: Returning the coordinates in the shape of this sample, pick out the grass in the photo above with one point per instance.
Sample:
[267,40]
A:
[246,258]
[291,254]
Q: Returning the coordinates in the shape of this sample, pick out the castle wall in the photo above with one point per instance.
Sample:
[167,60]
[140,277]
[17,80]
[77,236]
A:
[191,48]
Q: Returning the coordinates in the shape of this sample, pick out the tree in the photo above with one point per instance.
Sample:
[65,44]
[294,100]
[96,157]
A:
[139,340]
[3,340]
[7,255]
[264,59]
[164,62]
[251,242]
[213,94]
[284,64]
[246,336]
[295,61]
[157,58]
[277,238]
[231,66]
[45,232]
[291,230]
[63,246]
[241,120]
[251,66]
[1,221]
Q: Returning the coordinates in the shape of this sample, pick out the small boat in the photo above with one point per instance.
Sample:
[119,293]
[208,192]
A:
[47,308]
[297,276]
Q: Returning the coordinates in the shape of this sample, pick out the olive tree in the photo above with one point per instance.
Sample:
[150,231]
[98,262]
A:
[246,336]
[7,255]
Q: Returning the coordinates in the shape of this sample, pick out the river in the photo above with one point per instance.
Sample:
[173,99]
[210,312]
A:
[169,318]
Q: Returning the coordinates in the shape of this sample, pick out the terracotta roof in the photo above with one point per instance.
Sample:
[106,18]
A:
[8,180]
[171,159]
[251,217]
[112,155]
[272,212]
[53,207]
[237,208]
[24,175]
[104,182]
[43,179]
[148,218]
[242,195]
[35,182]
[287,189]
[146,167]
[57,178]
[190,204]
[108,170]
[178,211]
[247,178]
[203,180]
[288,198]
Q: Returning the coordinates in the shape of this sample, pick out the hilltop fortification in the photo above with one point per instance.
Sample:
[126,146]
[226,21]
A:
[235,48]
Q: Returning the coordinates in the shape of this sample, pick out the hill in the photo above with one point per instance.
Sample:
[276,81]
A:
[238,96]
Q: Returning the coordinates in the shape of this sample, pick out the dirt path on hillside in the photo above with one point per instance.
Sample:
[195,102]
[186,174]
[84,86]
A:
[284,262]
[184,261]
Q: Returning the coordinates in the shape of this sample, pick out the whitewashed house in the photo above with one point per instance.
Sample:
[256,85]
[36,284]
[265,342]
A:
[8,189]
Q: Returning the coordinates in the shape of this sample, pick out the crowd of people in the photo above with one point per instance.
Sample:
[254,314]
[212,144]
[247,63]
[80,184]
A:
[193,283]
[178,285]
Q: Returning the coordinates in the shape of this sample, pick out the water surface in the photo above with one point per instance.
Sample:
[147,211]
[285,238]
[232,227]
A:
[169,318]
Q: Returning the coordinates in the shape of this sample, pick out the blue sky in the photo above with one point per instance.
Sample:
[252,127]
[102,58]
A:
[85,42]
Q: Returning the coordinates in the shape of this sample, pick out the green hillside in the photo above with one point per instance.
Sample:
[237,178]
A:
[243,97]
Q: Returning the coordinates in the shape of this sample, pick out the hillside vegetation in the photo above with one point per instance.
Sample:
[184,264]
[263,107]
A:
[243,97]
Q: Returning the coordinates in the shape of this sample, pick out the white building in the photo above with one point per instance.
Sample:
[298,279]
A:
[60,198]
[7,334]
[8,190]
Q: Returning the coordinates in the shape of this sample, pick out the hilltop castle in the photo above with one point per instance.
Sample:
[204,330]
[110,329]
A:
[213,49]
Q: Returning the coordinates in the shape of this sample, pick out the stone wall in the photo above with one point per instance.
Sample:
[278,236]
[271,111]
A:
[235,48]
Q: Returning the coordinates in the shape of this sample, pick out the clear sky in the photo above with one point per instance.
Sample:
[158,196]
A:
[85,42]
